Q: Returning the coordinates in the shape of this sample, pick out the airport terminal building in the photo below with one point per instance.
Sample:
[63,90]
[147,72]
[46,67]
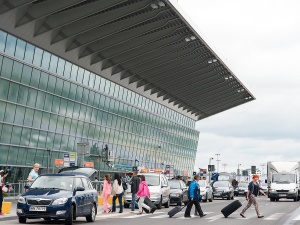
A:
[133,75]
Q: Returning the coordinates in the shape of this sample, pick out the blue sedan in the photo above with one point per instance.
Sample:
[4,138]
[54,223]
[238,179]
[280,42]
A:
[59,196]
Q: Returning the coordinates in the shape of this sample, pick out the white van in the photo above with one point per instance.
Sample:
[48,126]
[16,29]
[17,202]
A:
[159,190]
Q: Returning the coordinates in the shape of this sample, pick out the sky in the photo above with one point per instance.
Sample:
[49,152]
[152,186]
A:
[259,40]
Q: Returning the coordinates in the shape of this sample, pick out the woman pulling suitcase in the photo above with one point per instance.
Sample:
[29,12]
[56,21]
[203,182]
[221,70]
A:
[143,193]
[253,190]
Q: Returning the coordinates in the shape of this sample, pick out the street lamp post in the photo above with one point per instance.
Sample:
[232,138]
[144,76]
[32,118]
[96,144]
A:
[209,175]
[225,164]
[238,172]
[218,162]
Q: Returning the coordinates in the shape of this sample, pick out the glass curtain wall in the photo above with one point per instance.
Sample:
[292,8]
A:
[49,103]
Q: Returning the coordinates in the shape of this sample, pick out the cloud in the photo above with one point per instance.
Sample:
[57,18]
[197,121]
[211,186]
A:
[260,42]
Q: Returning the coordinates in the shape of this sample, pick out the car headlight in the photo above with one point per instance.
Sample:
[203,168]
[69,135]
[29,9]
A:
[272,190]
[292,190]
[60,201]
[21,200]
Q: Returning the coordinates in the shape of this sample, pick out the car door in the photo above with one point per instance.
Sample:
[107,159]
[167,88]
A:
[79,196]
[88,196]
[166,189]
[184,191]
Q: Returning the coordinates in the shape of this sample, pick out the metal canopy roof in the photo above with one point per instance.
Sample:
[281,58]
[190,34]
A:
[144,44]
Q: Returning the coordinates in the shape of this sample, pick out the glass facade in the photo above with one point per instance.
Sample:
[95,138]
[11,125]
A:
[49,103]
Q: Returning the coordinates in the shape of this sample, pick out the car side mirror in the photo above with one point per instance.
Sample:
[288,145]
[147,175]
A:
[80,189]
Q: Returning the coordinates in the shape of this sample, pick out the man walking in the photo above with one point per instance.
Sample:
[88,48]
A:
[135,182]
[194,198]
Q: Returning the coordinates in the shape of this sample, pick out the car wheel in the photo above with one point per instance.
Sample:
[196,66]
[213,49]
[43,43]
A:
[228,198]
[159,204]
[272,199]
[22,219]
[126,206]
[92,216]
[47,219]
[205,200]
[211,198]
[167,204]
[180,203]
[69,219]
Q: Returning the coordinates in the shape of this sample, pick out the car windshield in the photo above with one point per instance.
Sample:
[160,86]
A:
[283,178]
[202,183]
[244,185]
[152,180]
[174,184]
[221,184]
[53,182]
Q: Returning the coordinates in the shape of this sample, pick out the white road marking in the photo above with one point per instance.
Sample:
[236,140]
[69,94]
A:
[275,216]
[214,218]
[297,218]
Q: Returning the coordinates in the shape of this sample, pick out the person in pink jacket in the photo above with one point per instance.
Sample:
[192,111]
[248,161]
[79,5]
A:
[142,193]
[106,193]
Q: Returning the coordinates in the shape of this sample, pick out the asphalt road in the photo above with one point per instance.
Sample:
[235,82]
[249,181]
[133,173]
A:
[284,212]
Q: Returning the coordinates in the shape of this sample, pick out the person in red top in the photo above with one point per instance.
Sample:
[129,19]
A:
[142,193]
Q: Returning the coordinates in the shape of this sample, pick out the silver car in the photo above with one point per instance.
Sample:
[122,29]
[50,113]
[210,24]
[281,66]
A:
[206,191]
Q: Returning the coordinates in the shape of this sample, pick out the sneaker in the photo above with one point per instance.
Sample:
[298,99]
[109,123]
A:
[187,216]
[1,213]
[242,215]
[260,216]
[140,213]
[203,215]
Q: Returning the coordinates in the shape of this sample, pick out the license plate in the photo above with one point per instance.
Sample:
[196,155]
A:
[37,209]
[282,195]
[217,195]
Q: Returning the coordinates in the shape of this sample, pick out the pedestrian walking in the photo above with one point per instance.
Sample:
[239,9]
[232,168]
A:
[194,198]
[1,193]
[135,183]
[142,193]
[106,192]
[33,174]
[253,190]
[117,192]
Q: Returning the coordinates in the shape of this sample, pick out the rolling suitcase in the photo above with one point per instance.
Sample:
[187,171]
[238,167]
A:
[232,207]
[149,203]
[176,210]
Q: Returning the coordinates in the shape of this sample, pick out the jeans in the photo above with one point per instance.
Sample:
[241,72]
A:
[119,197]
[142,204]
[133,202]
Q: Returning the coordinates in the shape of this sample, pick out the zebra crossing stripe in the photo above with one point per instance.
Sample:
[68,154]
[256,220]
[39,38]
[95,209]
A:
[275,216]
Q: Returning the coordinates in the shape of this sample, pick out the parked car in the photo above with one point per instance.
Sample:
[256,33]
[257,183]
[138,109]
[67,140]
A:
[59,196]
[206,191]
[242,188]
[223,189]
[159,190]
[178,192]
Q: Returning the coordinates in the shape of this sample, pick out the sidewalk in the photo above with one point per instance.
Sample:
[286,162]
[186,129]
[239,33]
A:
[13,215]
